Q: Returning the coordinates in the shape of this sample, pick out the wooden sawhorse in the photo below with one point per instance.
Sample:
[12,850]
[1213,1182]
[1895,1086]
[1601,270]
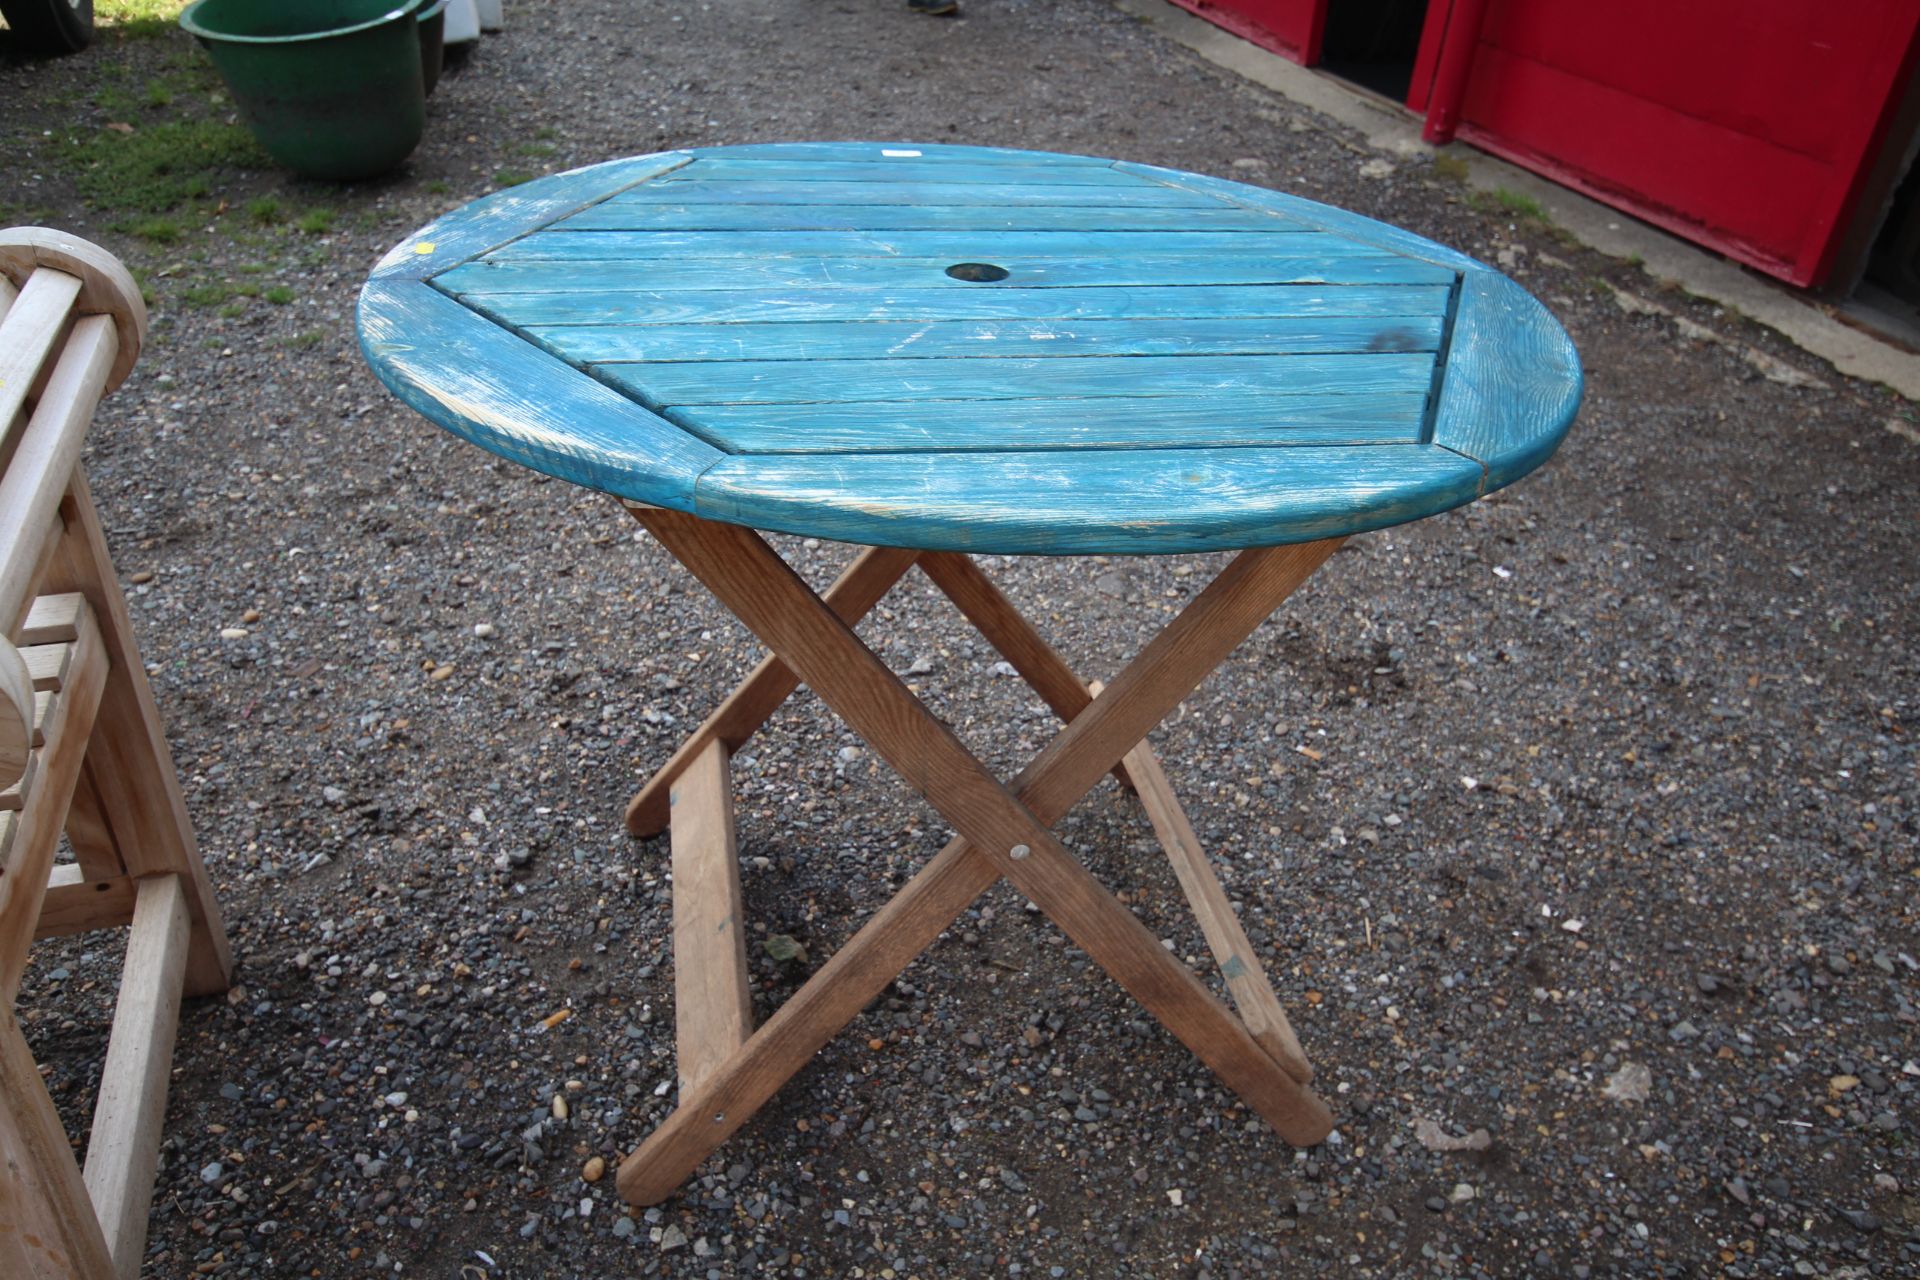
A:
[82,751]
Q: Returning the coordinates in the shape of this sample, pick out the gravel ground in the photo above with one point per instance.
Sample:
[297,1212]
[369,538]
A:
[1580,824]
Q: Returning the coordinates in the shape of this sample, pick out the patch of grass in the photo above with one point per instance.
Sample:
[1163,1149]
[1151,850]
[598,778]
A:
[316,222]
[232,311]
[138,19]
[307,338]
[154,230]
[264,211]
[536,149]
[159,94]
[153,170]
[1450,169]
[511,178]
[279,295]
[205,295]
[1514,204]
[438,187]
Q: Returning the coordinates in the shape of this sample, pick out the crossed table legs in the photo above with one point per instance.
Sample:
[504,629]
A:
[728,1071]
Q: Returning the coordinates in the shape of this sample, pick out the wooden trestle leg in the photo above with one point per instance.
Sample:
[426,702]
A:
[1000,834]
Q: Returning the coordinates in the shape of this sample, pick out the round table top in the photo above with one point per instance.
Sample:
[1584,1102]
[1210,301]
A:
[973,349]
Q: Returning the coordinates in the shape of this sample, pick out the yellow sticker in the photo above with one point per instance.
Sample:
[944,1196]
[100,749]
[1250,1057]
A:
[425,246]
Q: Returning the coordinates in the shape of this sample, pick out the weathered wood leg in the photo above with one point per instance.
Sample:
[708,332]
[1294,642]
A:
[1016,640]
[765,594]
[847,983]
[127,759]
[1239,964]
[852,597]
[712,1010]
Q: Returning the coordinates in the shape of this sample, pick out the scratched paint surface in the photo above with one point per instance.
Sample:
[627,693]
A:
[970,349]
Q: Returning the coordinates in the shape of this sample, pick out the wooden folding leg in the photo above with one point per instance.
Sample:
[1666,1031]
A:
[713,1012]
[852,597]
[1239,964]
[1015,639]
[1012,838]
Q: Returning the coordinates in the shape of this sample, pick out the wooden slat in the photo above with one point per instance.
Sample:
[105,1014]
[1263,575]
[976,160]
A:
[1028,271]
[127,756]
[16,714]
[1512,382]
[1071,503]
[15,793]
[852,595]
[1217,421]
[590,304]
[33,325]
[483,224]
[1009,248]
[49,1229]
[49,448]
[828,340]
[41,819]
[125,1143]
[1122,377]
[747,191]
[713,1012]
[508,396]
[53,619]
[76,904]
[1239,963]
[633,215]
[47,663]
[1340,222]
[895,152]
[722,167]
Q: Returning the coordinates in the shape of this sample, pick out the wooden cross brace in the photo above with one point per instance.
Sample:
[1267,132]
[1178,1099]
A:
[727,1069]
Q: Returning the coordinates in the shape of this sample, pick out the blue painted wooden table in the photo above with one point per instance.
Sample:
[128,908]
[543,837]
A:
[942,350]
[970,349]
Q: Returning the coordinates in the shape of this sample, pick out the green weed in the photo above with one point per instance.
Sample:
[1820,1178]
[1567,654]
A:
[138,19]
[1515,204]
[264,210]
[153,170]
[279,295]
[154,230]
[511,178]
[1450,168]
[316,222]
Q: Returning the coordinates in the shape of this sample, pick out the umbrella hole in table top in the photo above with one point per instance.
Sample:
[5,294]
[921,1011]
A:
[935,352]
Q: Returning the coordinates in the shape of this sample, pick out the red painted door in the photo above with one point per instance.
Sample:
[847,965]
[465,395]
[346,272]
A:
[1746,125]
[1291,28]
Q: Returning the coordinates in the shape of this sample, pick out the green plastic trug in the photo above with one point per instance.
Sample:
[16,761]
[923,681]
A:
[331,88]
